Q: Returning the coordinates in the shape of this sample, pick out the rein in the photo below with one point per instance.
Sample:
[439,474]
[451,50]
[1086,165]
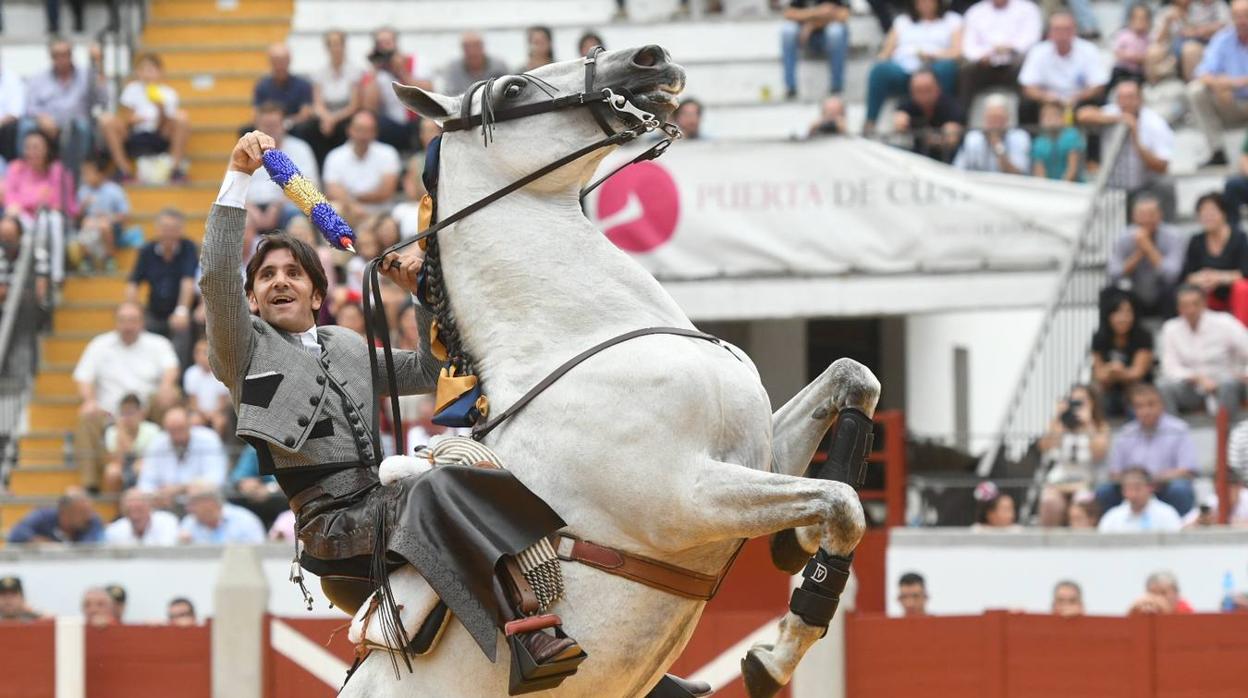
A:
[601,104]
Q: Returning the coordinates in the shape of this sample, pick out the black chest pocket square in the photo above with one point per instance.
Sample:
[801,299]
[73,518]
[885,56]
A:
[258,390]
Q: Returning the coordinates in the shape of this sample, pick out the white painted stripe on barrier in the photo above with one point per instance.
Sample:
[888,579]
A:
[310,657]
[71,657]
[725,668]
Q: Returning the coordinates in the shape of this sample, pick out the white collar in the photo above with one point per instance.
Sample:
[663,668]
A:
[308,338]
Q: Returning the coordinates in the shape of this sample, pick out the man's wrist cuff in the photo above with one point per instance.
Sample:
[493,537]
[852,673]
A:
[234,189]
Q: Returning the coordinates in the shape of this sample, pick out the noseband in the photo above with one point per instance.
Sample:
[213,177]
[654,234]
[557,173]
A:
[602,104]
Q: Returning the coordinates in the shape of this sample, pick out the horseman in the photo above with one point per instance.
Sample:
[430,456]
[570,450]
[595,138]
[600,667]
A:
[305,400]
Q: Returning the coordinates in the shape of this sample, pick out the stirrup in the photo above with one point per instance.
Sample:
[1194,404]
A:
[527,676]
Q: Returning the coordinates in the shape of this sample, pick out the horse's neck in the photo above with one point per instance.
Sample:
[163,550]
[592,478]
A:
[532,281]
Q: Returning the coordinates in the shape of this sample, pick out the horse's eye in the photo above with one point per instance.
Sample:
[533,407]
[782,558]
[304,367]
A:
[513,90]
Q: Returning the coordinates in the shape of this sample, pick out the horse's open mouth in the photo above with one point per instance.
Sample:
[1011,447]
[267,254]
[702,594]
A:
[663,98]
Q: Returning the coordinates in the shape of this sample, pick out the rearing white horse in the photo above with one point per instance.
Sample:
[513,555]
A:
[662,446]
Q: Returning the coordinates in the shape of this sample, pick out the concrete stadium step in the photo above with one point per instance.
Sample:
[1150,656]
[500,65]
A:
[42,448]
[13,509]
[182,58]
[206,168]
[450,15]
[212,140]
[53,413]
[211,9]
[194,228]
[94,317]
[218,111]
[223,84]
[93,289]
[216,31]
[727,42]
[42,480]
[193,196]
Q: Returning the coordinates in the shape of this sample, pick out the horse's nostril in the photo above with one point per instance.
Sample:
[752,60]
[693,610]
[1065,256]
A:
[648,57]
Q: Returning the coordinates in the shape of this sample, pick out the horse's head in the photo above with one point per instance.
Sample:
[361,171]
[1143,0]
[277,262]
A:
[523,144]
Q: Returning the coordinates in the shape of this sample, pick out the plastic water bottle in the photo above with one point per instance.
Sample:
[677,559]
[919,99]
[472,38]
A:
[1228,592]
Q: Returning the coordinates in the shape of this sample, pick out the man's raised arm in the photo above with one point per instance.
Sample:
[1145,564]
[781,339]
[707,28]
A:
[230,336]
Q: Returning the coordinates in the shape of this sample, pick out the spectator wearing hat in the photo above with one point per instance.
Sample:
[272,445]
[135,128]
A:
[1067,599]
[73,520]
[99,608]
[140,524]
[912,595]
[13,602]
[181,613]
[1140,512]
[212,521]
[118,594]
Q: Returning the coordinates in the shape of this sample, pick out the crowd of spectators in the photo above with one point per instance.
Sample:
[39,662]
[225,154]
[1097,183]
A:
[102,606]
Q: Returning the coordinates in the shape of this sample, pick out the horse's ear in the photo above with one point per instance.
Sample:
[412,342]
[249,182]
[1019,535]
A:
[430,105]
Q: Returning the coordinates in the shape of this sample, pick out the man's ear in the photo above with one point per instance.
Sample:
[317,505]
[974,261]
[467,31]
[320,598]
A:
[252,305]
[317,300]
[427,103]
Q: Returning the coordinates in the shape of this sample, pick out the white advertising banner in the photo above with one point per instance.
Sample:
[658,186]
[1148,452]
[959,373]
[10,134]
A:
[827,207]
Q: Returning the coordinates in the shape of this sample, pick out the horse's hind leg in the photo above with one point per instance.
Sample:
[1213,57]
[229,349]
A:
[799,426]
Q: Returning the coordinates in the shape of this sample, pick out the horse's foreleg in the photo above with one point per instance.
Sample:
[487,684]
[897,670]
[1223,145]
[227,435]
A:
[797,429]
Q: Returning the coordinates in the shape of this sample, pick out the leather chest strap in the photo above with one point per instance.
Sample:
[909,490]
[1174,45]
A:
[652,573]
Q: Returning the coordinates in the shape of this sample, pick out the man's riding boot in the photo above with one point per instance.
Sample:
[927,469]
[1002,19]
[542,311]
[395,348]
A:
[542,655]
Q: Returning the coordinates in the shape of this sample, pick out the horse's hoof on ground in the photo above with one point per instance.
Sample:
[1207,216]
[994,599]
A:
[759,683]
[786,553]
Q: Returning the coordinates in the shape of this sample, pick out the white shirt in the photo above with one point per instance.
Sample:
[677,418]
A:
[237,525]
[408,216]
[264,191]
[1157,516]
[116,368]
[310,341]
[203,460]
[929,36]
[205,388]
[1081,68]
[976,155]
[336,87]
[1239,515]
[1017,25]
[1155,136]
[161,530]
[137,98]
[361,175]
[1217,349]
[12,95]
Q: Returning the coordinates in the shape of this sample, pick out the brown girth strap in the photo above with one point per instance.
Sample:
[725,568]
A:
[652,573]
[479,431]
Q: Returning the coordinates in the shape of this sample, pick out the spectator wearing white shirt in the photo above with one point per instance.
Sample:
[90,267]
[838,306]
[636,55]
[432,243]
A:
[12,108]
[267,205]
[126,439]
[125,360]
[149,122]
[362,174]
[1144,159]
[140,524]
[1064,69]
[1203,354]
[1140,511]
[209,398]
[210,520]
[997,147]
[996,34]
[182,455]
[336,95]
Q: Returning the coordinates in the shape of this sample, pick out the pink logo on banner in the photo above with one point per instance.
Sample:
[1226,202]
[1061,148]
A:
[638,208]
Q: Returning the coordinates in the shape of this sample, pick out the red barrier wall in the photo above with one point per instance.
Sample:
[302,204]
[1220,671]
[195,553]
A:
[26,660]
[1006,655]
[149,660]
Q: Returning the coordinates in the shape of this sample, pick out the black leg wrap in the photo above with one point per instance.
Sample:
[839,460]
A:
[820,594]
[848,451]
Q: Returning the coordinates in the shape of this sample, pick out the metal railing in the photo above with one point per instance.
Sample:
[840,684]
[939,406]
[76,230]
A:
[19,323]
[1059,356]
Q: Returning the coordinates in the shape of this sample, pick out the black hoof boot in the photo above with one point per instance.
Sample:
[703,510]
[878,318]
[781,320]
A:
[675,687]
[786,554]
[759,683]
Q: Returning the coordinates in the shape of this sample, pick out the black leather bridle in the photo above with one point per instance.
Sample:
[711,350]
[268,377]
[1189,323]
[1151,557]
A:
[602,104]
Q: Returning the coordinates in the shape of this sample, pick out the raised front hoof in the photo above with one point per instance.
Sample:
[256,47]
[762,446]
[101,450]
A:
[786,553]
[759,683]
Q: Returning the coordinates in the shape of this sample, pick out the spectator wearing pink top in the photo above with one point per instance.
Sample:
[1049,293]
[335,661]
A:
[41,192]
[1131,46]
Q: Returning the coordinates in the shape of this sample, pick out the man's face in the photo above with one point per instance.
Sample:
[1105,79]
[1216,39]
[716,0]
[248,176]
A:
[136,507]
[129,323]
[206,510]
[130,414]
[169,229]
[1137,491]
[1067,602]
[924,90]
[98,608]
[1146,214]
[1191,305]
[474,51]
[363,130]
[11,603]
[1165,590]
[913,600]
[1148,408]
[279,60]
[181,615]
[689,119]
[1062,33]
[272,123]
[1239,17]
[996,118]
[1128,97]
[385,41]
[146,71]
[10,233]
[75,516]
[62,57]
[282,294]
[178,426]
